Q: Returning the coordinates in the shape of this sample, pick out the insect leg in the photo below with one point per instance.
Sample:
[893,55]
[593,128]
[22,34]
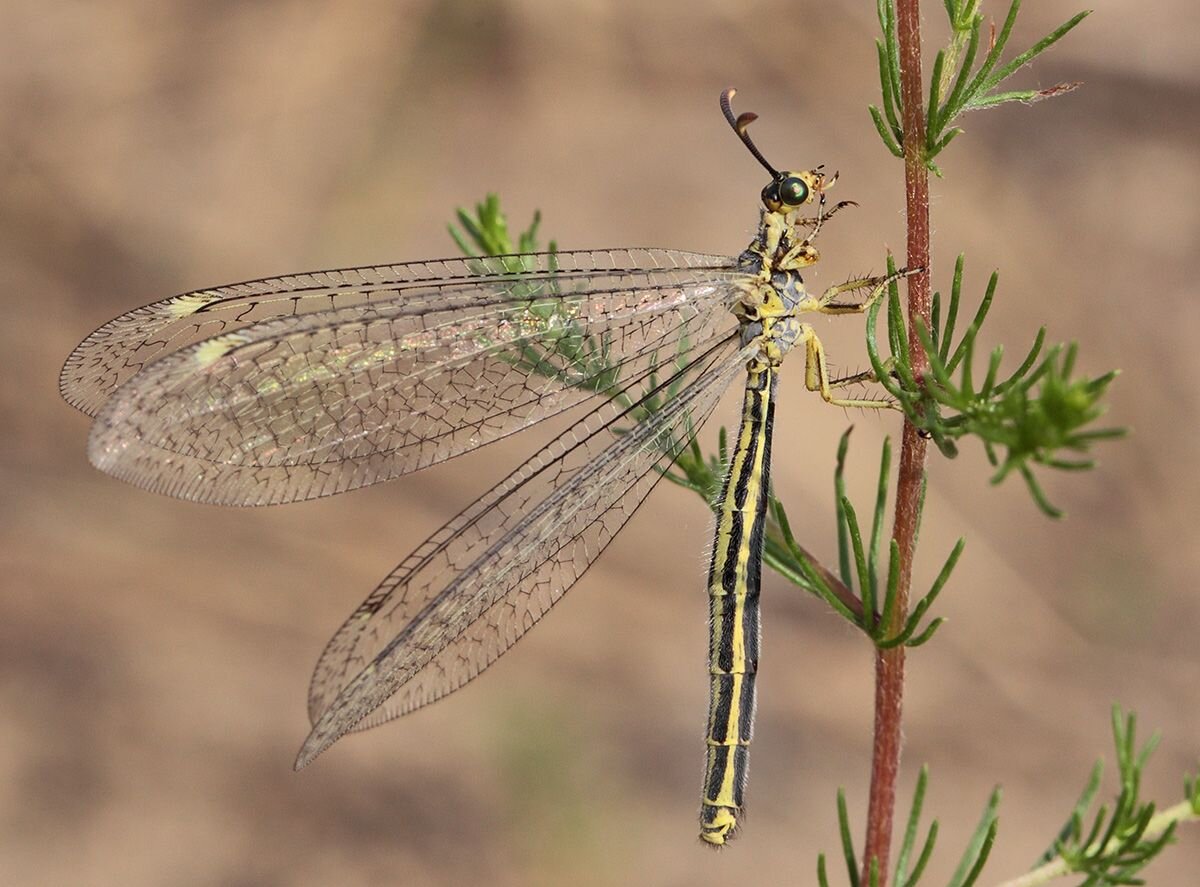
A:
[822,217]
[816,374]
[877,285]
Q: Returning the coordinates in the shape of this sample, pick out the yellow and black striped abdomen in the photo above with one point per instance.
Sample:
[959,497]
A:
[733,587]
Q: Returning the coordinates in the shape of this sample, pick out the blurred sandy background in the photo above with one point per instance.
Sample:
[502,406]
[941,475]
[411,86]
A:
[154,655]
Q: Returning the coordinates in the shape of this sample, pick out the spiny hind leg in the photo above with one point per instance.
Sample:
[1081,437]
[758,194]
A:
[816,375]
[853,379]
[877,285]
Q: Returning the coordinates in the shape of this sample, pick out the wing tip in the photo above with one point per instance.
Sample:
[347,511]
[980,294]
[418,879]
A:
[305,757]
[317,741]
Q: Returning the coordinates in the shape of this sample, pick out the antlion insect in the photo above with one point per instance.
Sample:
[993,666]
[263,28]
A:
[306,385]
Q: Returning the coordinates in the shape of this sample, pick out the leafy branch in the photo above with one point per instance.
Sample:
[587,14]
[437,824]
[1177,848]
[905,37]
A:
[488,235]
[1039,414]
[970,865]
[957,85]
[1112,846]
[1109,848]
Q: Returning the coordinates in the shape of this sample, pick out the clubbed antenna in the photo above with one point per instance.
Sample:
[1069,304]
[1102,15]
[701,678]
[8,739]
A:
[739,125]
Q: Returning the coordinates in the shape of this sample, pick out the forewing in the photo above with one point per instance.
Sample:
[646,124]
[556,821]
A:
[125,345]
[300,407]
[476,586]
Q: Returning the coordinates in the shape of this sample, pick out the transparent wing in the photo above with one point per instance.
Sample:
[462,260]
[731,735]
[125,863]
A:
[299,407]
[125,345]
[476,586]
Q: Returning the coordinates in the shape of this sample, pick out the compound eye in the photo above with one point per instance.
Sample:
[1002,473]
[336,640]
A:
[793,191]
[770,197]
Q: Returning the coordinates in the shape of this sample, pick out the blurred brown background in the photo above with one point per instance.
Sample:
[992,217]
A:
[154,654]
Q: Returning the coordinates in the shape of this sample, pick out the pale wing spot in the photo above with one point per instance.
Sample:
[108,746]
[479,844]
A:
[211,350]
[189,303]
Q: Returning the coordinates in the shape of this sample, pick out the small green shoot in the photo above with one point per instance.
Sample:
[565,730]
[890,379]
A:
[1037,415]
[970,865]
[957,85]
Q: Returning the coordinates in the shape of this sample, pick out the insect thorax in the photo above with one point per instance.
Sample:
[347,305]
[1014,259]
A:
[773,290]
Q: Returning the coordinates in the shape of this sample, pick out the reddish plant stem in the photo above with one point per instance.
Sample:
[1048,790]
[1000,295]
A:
[889,664]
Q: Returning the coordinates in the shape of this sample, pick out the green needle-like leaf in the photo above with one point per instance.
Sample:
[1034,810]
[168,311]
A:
[980,846]
[923,859]
[954,101]
[881,492]
[923,637]
[935,98]
[889,136]
[839,492]
[892,591]
[1038,48]
[848,853]
[822,877]
[910,829]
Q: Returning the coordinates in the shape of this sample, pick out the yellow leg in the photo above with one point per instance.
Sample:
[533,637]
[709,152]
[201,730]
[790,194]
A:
[816,375]
[853,378]
[878,286]
[800,256]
